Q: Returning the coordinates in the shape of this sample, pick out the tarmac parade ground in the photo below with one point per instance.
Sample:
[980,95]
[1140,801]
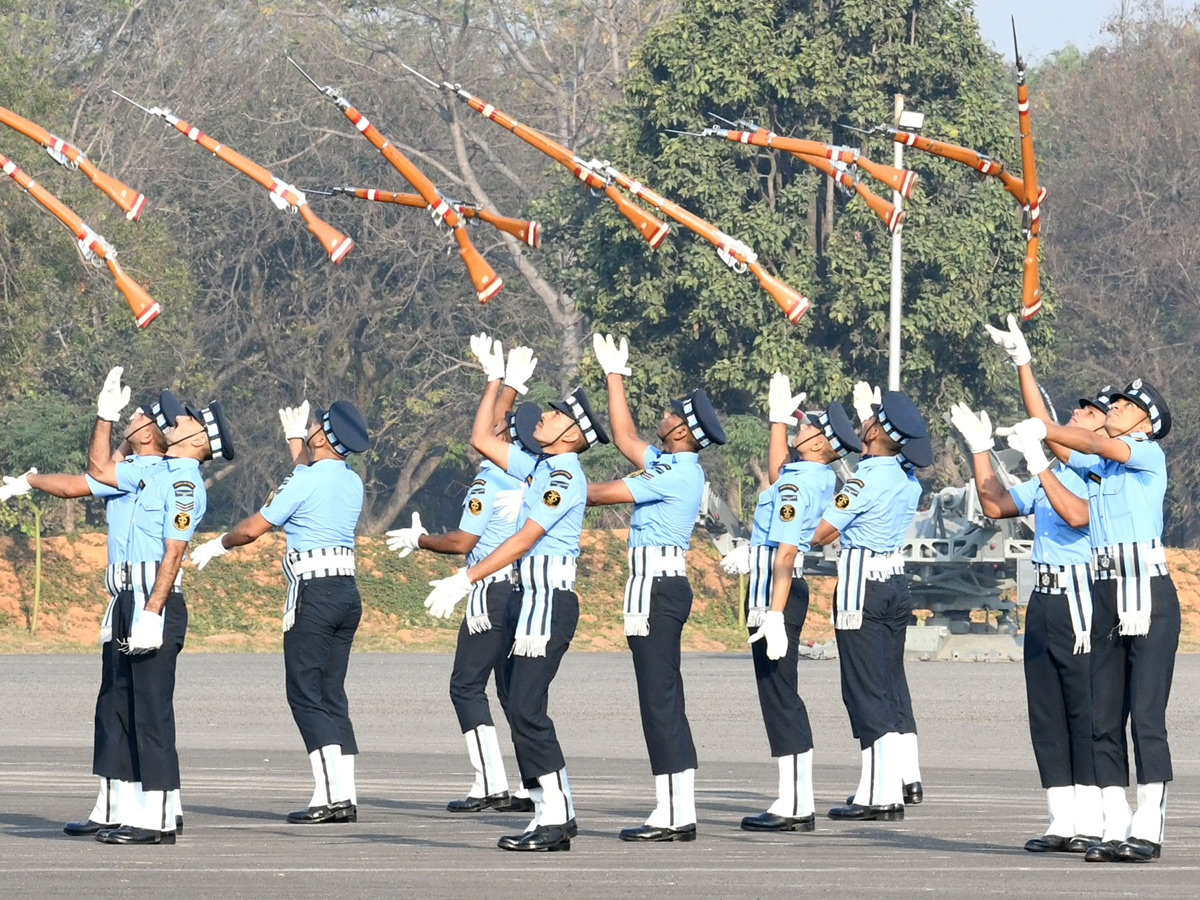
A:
[244,767]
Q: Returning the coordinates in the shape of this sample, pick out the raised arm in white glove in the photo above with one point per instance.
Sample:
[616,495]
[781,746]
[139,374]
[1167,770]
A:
[113,397]
[781,402]
[613,359]
[508,504]
[295,421]
[1012,341]
[446,593]
[208,551]
[520,367]
[490,355]
[862,398]
[737,560]
[774,631]
[146,635]
[1027,436]
[404,540]
[975,429]
[16,487]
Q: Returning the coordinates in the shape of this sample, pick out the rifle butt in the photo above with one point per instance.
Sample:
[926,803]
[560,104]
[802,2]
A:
[901,180]
[654,230]
[336,244]
[791,301]
[892,217]
[529,232]
[1031,291]
[121,194]
[487,283]
[144,307]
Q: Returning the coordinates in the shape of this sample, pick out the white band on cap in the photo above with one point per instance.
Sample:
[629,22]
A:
[693,423]
[581,419]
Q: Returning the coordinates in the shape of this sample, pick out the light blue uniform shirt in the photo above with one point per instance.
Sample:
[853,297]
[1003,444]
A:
[479,516]
[874,508]
[118,504]
[169,506]
[555,498]
[796,499]
[666,499]
[1125,500]
[1055,543]
[317,505]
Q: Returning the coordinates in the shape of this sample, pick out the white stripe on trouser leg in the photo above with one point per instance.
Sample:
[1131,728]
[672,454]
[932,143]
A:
[1089,810]
[787,802]
[104,810]
[795,786]
[535,794]
[554,798]
[127,802]
[495,779]
[345,767]
[473,753]
[1149,822]
[1061,803]
[910,758]
[862,794]
[324,767]
[1117,814]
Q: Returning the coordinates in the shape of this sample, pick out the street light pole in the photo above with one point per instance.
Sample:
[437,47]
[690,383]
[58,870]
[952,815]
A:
[897,276]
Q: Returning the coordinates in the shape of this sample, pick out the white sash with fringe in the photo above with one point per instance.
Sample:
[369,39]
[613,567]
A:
[762,582]
[855,567]
[303,565]
[1131,565]
[478,619]
[540,577]
[646,564]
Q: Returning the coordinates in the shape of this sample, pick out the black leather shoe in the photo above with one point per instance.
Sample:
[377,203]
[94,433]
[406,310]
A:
[544,837]
[1080,843]
[1048,843]
[648,833]
[893,812]
[515,805]
[179,824]
[76,829]
[913,794]
[771,822]
[1105,851]
[342,811]
[127,834]
[479,804]
[1138,850]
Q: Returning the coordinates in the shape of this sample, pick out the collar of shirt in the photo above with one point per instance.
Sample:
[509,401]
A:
[876,462]
[801,466]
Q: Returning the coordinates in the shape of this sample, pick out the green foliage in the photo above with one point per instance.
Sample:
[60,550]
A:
[806,68]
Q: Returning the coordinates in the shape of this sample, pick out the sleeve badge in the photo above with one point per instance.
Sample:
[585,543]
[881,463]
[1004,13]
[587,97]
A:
[182,521]
[841,501]
[552,498]
[474,506]
[787,512]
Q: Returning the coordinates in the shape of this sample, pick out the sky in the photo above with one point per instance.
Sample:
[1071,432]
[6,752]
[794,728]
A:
[1048,25]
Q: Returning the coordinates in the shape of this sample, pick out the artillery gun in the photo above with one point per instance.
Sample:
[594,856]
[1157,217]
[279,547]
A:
[958,561]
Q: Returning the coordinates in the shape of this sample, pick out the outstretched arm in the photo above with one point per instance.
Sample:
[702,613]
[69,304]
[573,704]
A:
[60,484]
[102,462]
[620,420]
[608,493]
[1088,442]
[508,552]
[247,531]
[777,451]
[452,542]
[483,437]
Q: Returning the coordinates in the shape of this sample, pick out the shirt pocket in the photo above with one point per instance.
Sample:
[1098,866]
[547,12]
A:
[149,517]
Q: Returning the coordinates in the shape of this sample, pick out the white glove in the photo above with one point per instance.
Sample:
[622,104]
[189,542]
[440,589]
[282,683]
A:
[862,399]
[508,504]
[405,540]
[1012,341]
[146,635]
[1027,436]
[113,398]
[781,403]
[295,421]
[16,487]
[737,560]
[613,360]
[446,593]
[208,551]
[521,363]
[977,430]
[774,631]
[490,355]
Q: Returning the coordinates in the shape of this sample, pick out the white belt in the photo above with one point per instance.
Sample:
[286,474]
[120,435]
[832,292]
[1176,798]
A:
[1051,579]
[138,576]
[1129,560]
[324,562]
[1074,585]
[856,566]
[547,573]
[884,566]
[505,574]
[654,561]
